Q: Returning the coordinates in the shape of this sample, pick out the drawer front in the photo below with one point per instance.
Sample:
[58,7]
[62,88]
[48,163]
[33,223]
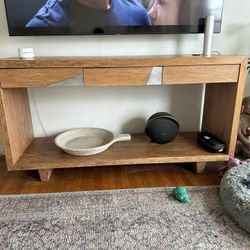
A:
[25,78]
[200,74]
[116,76]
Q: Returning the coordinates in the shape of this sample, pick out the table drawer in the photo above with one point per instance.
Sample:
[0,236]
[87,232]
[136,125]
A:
[200,74]
[25,78]
[116,76]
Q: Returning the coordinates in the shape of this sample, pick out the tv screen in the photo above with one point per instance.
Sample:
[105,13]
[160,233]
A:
[86,17]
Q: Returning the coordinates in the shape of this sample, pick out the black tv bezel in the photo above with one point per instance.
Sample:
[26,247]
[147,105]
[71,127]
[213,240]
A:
[111,30]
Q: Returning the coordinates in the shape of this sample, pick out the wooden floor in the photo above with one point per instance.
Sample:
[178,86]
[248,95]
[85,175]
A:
[103,178]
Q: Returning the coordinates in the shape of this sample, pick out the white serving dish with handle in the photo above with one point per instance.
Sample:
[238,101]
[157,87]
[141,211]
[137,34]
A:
[88,141]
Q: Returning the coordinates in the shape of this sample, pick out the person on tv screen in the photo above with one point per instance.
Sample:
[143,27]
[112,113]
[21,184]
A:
[92,13]
[164,12]
[176,12]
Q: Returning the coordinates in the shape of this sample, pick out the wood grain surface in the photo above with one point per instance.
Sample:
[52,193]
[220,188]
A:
[199,167]
[237,106]
[225,77]
[25,78]
[45,174]
[219,110]
[15,123]
[44,154]
[128,61]
[103,178]
[222,110]
[200,74]
[116,76]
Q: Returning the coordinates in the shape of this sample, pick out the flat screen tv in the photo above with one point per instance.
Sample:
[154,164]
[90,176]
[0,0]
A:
[87,17]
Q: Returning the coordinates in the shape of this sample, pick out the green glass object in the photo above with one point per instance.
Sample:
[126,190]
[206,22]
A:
[180,193]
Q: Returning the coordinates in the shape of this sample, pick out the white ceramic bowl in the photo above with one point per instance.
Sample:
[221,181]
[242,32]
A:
[88,141]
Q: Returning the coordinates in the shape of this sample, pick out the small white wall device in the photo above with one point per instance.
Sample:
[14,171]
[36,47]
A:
[208,36]
[26,53]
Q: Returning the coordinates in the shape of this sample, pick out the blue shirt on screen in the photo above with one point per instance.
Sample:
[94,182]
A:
[64,13]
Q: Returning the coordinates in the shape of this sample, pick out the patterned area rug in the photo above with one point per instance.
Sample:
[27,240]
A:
[120,219]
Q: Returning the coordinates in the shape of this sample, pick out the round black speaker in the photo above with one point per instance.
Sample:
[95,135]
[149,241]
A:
[162,127]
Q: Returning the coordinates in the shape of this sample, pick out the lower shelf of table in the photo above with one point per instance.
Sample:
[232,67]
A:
[44,154]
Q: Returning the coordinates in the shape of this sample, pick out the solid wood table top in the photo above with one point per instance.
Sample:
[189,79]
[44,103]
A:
[120,61]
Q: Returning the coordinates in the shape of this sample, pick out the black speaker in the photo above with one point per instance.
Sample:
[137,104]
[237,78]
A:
[162,127]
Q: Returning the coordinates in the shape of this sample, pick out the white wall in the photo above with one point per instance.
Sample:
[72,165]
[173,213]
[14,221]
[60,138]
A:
[124,109]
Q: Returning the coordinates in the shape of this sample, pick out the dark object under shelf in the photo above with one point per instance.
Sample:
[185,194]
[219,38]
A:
[210,142]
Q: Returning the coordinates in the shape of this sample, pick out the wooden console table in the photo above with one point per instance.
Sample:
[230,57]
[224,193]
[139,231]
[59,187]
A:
[224,77]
